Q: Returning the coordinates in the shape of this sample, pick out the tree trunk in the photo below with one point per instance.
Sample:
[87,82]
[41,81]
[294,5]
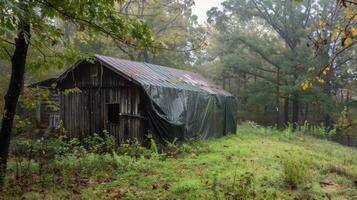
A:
[295,96]
[11,98]
[306,112]
[286,110]
[327,90]
[277,102]
[295,117]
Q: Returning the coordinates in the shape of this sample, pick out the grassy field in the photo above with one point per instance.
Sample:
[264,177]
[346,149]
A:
[256,163]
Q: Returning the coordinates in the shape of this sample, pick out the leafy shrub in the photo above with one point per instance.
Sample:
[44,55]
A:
[38,150]
[100,144]
[319,131]
[295,171]
[171,148]
[175,148]
[75,147]
[22,149]
[23,153]
[289,130]
[144,165]
[153,146]
[133,148]
[122,163]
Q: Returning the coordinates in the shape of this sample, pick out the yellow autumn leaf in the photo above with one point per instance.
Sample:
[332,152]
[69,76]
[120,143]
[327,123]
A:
[310,69]
[325,71]
[303,85]
[206,43]
[306,85]
[348,41]
[349,12]
[320,80]
[321,23]
[334,34]
[354,31]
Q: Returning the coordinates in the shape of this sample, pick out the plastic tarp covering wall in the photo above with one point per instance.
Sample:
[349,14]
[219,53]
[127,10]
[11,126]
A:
[186,114]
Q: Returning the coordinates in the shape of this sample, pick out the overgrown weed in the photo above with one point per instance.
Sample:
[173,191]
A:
[295,171]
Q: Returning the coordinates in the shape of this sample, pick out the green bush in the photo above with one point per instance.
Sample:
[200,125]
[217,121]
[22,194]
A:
[319,131]
[133,148]
[153,146]
[175,148]
[104,143]
[122,163]
[75,147]
[295,171]
[43,151]
[289,130]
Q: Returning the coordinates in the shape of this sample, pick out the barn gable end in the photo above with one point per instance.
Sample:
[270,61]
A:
[104,101]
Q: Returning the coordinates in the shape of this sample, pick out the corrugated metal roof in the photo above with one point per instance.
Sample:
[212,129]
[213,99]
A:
[150,74]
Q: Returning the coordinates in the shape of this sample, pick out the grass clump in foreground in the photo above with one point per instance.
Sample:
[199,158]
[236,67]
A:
[256,163]
[295,171]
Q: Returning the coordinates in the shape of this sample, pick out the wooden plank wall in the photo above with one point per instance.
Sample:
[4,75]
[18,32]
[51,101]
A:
[86,112]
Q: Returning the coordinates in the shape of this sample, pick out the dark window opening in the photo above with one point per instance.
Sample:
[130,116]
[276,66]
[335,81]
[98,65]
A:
[113,113]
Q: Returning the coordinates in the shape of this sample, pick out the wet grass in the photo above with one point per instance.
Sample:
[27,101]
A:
[248,165]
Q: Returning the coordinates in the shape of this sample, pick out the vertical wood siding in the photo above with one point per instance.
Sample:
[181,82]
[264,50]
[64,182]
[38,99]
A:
[86,112]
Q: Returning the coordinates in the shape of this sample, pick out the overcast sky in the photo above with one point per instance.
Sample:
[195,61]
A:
[202,6]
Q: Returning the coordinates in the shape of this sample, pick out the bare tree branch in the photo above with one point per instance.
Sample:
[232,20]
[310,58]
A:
[258,51]
[7,52]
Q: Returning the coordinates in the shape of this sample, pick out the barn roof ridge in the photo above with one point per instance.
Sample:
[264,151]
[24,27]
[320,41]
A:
[145,73]
[153,74]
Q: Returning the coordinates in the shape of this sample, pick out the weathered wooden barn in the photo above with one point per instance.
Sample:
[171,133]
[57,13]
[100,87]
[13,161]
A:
[130,99]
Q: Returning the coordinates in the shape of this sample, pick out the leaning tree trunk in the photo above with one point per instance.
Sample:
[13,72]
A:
[11,98]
